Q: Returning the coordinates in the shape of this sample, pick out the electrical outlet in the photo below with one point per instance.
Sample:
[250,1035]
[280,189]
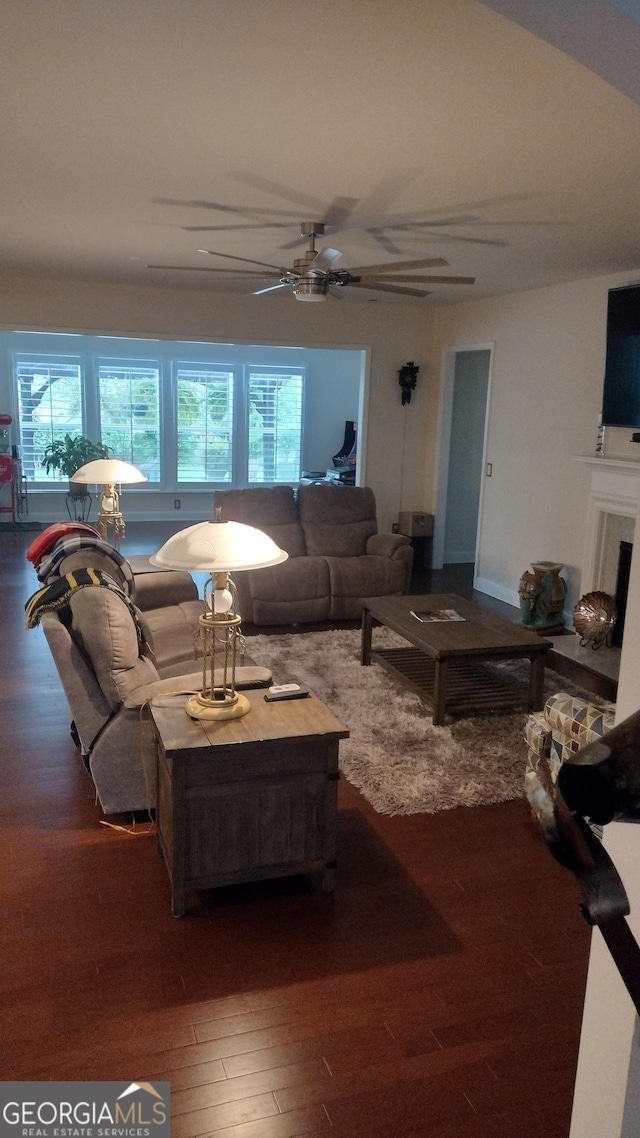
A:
[176,503]
[394,527]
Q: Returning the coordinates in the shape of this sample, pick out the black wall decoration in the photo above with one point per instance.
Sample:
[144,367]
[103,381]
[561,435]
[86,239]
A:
[407,377]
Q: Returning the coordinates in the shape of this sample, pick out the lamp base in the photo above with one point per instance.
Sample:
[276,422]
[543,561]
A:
[197,707]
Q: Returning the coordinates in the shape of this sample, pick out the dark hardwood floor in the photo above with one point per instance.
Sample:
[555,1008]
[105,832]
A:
[436,994]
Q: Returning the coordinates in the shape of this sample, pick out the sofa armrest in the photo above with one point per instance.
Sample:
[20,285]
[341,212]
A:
[394,546]
[247,676]
[176,685]
[391,545]
[579,721]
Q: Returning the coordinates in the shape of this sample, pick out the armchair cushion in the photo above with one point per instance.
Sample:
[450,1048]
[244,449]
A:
[294,591]
[103,627]
[352,578]
[336,524]
[161,588]
[173,633]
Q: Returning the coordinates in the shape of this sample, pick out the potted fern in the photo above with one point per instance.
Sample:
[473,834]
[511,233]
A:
[68,454]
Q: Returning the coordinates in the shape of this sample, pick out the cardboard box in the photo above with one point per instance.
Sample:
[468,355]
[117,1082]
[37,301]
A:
[415,524]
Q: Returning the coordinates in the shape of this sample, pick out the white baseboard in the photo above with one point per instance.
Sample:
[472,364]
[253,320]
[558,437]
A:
[509,596]
[512,597]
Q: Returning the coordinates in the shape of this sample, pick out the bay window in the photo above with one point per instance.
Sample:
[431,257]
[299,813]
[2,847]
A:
[184,422]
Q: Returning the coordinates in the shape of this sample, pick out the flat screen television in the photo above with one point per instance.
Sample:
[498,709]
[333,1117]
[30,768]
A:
[621,394]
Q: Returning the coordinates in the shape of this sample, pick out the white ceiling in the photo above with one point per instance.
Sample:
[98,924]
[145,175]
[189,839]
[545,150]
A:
[420,110]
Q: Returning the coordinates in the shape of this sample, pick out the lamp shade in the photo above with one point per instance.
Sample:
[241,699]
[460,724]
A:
[108,471]
[219,547]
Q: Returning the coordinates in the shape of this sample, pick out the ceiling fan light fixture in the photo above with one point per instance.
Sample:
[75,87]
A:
[310,288]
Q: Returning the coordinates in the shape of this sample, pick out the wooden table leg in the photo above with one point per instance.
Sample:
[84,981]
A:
[367,625]
[536,681]
[439,692]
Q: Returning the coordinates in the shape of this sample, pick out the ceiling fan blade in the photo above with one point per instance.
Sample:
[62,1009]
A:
[230,228]
[192,203]
[272,288]
[247,260]
[338,212]
[197,204]
[426,229]
[325,258]
[435,221]
[400,278]
[210,269]
[393,266]
[282,190]
[399,289]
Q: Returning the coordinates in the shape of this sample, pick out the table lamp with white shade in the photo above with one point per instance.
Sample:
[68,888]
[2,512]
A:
[219,548]
[110,472]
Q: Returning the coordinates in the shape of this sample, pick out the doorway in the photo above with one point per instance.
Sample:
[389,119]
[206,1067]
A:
[461,459]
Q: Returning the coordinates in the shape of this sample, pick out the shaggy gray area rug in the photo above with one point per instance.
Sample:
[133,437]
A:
[399,761]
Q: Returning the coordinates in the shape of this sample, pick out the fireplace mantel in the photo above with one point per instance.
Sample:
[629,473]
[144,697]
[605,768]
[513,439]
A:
[622,463]
[612,509]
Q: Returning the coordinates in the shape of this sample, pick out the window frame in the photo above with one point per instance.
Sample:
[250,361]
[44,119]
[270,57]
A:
[167,366]
[144,362]
[47,359]
[203,365]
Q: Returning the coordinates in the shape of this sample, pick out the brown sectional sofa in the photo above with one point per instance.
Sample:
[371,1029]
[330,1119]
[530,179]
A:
[336,555]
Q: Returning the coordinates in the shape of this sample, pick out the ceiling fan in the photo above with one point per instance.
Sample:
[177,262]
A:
[313,276]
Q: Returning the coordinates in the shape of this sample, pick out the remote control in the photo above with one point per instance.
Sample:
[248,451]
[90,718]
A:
[285,691]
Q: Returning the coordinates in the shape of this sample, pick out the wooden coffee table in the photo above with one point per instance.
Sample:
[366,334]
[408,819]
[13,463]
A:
[443,662]
[247,799]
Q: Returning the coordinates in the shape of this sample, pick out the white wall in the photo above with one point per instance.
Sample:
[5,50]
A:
[394,437]
[548,368]
[331,397]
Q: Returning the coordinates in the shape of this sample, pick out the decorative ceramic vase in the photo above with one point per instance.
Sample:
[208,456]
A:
[542,593]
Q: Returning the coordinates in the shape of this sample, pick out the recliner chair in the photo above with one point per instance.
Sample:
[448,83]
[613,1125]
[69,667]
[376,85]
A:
[97,637]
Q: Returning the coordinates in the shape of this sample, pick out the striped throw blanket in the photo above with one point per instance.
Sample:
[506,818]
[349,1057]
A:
[55,597]
[49,567]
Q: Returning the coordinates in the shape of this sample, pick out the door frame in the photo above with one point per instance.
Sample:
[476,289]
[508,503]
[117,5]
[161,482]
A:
[445,410]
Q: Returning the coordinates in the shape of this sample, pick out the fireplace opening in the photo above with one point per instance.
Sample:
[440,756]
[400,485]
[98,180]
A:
[622,589]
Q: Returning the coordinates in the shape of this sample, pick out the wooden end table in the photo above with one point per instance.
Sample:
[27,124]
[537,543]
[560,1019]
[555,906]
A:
[443,661]
[247,799]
